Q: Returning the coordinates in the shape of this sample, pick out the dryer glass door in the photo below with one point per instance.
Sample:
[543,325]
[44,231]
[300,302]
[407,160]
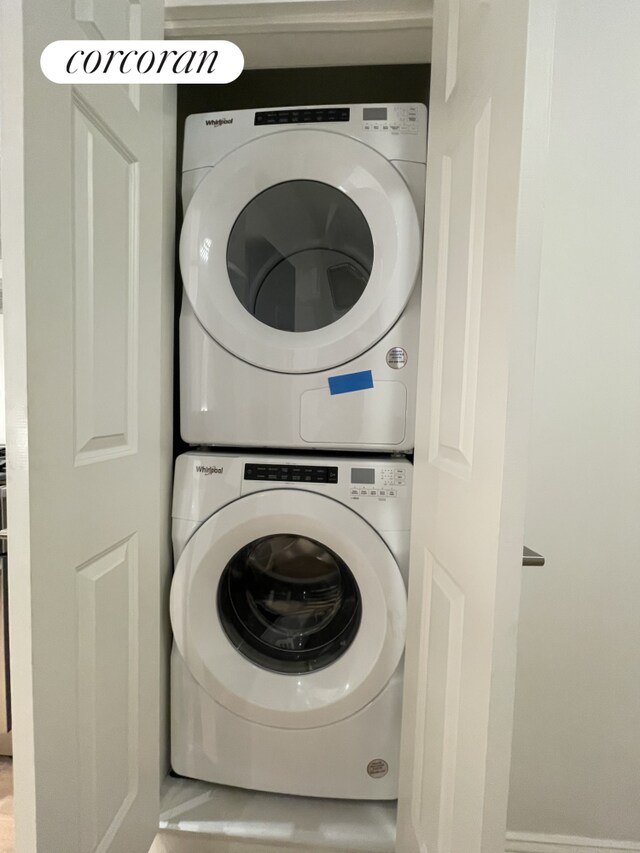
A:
[300,249]
[300,256]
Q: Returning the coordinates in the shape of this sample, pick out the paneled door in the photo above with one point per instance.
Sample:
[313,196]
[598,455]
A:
[88,296]
[487,139]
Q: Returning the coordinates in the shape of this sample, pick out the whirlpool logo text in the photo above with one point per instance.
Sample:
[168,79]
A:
[208,469]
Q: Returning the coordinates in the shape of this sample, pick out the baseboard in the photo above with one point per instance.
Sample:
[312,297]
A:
[533,842]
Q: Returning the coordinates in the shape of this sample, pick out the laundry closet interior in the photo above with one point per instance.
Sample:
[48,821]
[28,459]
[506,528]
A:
[112,351]
[256,735]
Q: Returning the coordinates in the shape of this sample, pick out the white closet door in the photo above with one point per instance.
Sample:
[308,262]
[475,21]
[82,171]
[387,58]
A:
[88,296]
[488,117]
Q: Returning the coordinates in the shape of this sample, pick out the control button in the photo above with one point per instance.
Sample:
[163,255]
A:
[354,492]
[373,492]
[295,478]
[392,493]
[363,492]
[272,477]
[332,476]
[382,493]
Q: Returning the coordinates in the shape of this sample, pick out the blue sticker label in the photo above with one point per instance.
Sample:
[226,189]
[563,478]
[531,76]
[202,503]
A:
[347,382]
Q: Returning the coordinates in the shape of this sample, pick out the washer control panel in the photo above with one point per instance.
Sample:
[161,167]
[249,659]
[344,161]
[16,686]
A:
[380,483]
[292,473]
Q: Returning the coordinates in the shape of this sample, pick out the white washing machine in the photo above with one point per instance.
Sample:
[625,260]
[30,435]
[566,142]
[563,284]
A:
[300,257]
[288,609]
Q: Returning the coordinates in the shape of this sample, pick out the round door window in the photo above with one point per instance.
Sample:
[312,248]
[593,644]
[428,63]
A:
[289,604]
[299,255]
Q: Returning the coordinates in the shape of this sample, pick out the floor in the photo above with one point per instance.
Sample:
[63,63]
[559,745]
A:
[7,842]
[201,818]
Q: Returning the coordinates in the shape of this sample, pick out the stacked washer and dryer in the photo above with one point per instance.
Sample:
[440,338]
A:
[300,259]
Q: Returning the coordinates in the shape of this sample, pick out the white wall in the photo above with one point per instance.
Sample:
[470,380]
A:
[576,757]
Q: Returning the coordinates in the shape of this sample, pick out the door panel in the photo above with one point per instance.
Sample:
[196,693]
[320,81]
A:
[106,200]
[88,300]
[489,99]
[103,19]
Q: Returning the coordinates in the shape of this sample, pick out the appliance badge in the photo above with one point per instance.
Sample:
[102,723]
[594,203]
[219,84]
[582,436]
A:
[397,358]
[377,768]
[216,122]
[207,470]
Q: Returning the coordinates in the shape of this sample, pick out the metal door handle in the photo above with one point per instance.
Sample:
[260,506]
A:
[531,558]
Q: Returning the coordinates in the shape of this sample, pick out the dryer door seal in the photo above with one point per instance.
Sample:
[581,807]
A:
[299,250]
[293,699]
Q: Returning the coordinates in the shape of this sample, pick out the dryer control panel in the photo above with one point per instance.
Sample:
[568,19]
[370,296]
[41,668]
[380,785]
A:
[302,115]
[398,131]
[395,118]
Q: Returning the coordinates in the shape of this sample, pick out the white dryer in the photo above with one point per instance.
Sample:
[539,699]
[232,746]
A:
[288,610]
[300,256]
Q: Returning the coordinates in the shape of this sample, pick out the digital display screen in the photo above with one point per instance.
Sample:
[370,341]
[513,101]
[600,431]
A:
[364,476]
[374,113]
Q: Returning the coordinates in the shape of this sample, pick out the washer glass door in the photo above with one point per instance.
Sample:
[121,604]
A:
[289,604]
[288,609]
